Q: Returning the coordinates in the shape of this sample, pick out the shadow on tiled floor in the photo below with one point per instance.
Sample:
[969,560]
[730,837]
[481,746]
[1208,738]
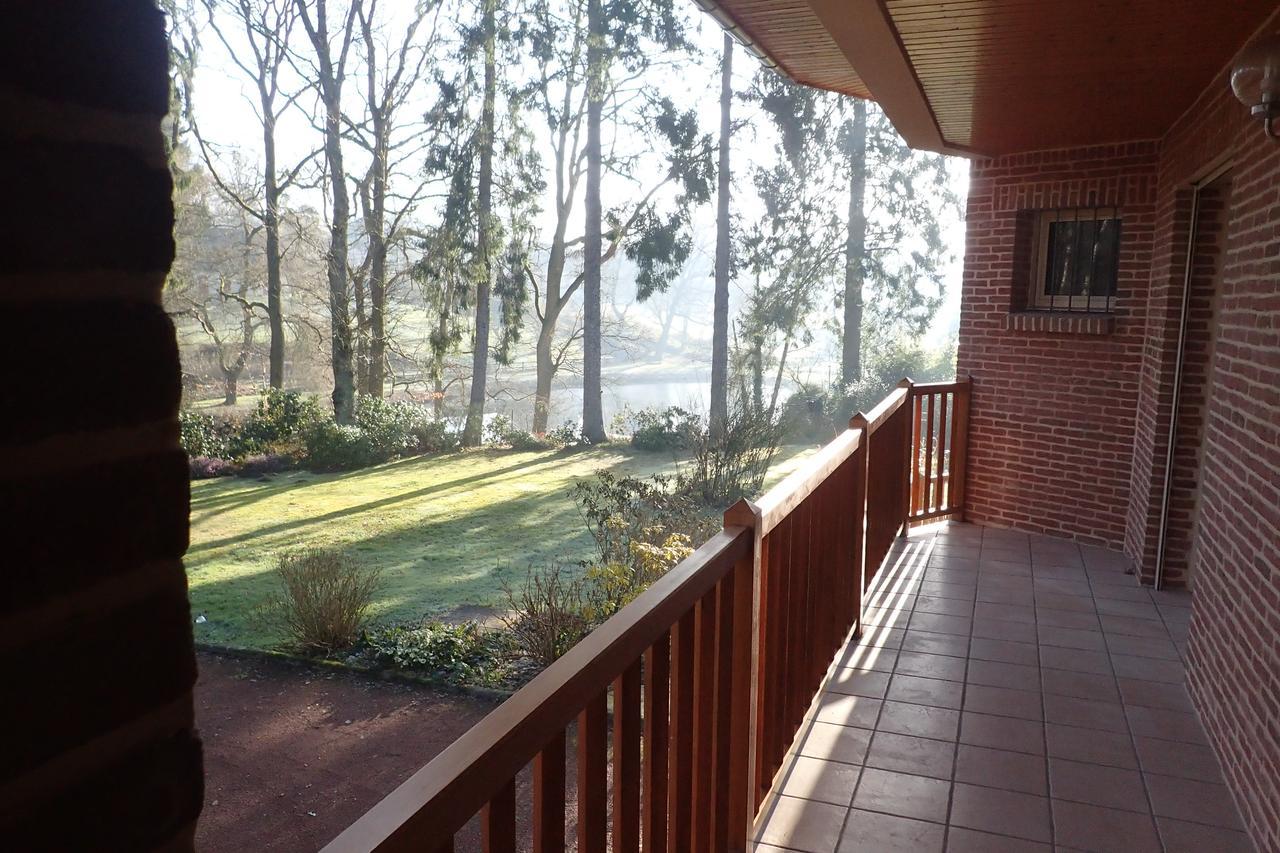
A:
[1009,693]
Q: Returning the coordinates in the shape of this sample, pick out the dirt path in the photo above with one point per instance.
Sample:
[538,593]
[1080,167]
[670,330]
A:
[294,754]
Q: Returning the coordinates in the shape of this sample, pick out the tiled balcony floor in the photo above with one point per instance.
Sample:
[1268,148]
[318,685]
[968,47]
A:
[1009,693]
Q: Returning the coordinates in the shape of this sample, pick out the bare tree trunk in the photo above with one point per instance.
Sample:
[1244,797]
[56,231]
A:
[720,314]
[271,226]
[437,367]
[777,379]
[592,404]
[855,247]
[757,373]
[546,371]
[471,433]
[361,337]
[375,366]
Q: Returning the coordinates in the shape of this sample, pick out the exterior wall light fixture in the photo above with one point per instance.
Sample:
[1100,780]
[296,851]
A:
[1255,79]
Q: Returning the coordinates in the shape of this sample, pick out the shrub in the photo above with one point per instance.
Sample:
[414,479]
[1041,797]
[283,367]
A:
[208,467]
[671,428]
[731,465]
[263,464]
[455,653]
[203,435]
[330,447]
[546,616]
[495,431]
[434,437]
[567,435]
[280,416]
[389,427]
[518,439]
[806,415]
[324,597]
[611,586]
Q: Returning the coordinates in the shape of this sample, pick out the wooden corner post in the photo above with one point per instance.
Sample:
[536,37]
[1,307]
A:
[750,613]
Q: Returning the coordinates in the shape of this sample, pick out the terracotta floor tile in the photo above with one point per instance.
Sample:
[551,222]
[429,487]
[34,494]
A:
[907,754]
[1008,675]
[1061,601]
[1075,660]
[1072,638]
[815,779]
[1000,768]
[1107,586]
[1114,749]
[943,606]
[1182,837]
[863,657]
[805,825]
[936,644]
[1165,725]
[964,591]
[1138,609]
[1097,785]
[1094,828]
[1010,568]
[886,617]
[902,794]
[1188,760]
[1144,647]
[890,638]
[1024,704]
[1188,799]
[993,629]
[1085,713]
[1070,588]
[1004,612]
[1075,619]
[845,710]
[926,691]
[940,624]
[931,666]
[1002,733]
[856,683]
[870,832]
[1003,651]
[1148,669]
[834,743]
[960,840]
[1001,812]
[1006,595]
[1130,627]
[906,718]
[1081,685]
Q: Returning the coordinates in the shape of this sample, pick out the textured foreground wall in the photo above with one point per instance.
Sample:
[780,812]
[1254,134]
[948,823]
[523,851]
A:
[96,651]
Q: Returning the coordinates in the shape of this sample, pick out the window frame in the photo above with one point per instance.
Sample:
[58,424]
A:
[1037,299]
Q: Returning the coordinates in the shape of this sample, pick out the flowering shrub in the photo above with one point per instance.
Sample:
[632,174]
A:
[464,653]
[262,464]
[208,467]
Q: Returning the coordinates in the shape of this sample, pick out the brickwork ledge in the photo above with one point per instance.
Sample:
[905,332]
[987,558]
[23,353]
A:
[1062,322]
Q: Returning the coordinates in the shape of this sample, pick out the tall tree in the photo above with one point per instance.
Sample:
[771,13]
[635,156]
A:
[653,237]
[720,311]
[329,71]
[392,74]
[894,253]
[592,403]
[484,228]
[266,26]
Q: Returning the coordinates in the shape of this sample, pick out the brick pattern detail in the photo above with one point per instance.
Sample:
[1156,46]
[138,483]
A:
[1069,433]
[1066,324]
[1054,396]
[100,750]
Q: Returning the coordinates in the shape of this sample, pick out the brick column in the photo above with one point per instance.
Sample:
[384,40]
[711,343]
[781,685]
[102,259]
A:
[97,656]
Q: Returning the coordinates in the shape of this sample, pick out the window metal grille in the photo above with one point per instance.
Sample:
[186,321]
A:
[1077,260]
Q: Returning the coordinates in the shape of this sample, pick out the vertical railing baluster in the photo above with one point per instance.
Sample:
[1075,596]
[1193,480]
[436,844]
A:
[626,760]
[593,774]
[548,797]
[680,755]
[704,691]
[657,692]
[724,709]
[739,786]
[498,821]
[928,454]
[917,414]
[960,439]
[942,444]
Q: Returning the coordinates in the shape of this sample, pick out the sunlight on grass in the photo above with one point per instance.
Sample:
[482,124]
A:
[445,530]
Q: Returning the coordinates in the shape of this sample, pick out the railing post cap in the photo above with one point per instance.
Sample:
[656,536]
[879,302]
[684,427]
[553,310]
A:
[858,420]
[744,513]
[905,382]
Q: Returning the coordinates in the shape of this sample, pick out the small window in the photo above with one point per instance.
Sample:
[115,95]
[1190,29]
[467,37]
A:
[1077,260]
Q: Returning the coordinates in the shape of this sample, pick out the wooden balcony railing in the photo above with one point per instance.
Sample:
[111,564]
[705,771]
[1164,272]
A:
[682,706]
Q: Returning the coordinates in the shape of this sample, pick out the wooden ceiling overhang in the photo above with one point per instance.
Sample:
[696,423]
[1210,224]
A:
[989,77]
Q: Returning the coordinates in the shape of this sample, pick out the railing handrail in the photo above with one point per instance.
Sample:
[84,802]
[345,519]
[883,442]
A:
[439,798]
[778,502]
[920,388]
[882,411]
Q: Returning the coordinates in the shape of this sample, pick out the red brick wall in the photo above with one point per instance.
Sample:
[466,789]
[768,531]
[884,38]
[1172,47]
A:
[1052,419]
[1234,659]
[1069,432]
[97,653]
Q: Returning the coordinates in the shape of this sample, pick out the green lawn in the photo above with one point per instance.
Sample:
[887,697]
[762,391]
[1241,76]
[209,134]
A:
[446,530]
